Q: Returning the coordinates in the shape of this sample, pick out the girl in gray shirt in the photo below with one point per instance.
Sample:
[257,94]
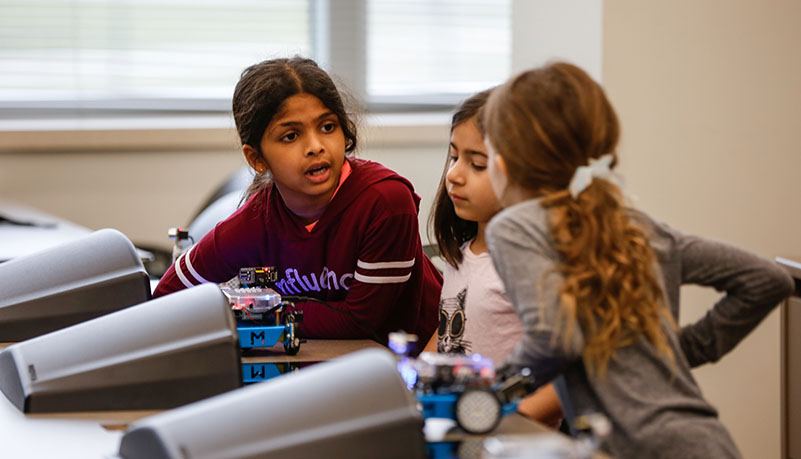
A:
[596,284]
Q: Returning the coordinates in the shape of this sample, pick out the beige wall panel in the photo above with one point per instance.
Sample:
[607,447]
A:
[709,97]
[139,193]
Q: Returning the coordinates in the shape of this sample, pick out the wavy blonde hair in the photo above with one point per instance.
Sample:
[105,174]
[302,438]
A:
[545,123]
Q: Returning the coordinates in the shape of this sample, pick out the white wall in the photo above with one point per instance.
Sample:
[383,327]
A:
[140,181]
[545,30]
[141,193]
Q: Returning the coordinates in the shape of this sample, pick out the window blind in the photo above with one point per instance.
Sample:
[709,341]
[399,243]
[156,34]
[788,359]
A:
[188,54]
[141,53]
[437,46]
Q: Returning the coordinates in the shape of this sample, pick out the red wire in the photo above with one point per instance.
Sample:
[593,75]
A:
[251,317]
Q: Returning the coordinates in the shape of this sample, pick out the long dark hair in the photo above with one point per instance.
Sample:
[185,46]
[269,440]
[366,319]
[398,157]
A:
[545,123]
[451,231]
[262,90]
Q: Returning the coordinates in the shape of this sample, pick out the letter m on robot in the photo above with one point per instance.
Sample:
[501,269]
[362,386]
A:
[255,336]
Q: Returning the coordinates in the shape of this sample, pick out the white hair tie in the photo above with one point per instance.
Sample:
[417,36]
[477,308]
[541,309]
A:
[600,168]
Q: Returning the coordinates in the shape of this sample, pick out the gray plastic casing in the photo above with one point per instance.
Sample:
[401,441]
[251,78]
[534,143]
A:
[157,355]
[353,407]
[69,284]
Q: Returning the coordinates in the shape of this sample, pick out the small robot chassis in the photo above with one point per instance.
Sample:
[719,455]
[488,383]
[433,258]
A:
[263,318]
[463,388]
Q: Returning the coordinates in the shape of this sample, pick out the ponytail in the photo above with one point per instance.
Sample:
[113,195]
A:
[610,289]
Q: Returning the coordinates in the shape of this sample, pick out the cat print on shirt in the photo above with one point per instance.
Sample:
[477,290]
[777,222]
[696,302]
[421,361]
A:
[452,321]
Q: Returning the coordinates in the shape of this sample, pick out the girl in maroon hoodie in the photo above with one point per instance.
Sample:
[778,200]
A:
[338,229]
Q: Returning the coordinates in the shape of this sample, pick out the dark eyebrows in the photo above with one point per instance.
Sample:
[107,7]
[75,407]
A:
[476,153]
[325,115]
[469,151]
[298,123]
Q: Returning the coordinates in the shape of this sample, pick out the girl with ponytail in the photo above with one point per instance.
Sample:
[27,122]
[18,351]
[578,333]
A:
[596,283]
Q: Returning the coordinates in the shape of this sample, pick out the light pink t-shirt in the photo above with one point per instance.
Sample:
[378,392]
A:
[475,293]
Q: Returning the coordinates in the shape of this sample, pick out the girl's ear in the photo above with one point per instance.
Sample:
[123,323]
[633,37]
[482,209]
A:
[255,159]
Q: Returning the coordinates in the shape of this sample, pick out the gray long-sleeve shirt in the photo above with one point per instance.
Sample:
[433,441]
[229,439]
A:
[656,408]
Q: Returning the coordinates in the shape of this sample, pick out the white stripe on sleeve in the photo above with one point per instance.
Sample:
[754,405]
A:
[385,265]
[192,269]
[181,274]
[381,279]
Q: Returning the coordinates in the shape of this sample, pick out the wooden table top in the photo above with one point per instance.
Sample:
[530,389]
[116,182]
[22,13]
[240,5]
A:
[313,350]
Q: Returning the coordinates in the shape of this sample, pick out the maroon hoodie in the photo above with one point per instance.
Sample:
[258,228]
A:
[364,255]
